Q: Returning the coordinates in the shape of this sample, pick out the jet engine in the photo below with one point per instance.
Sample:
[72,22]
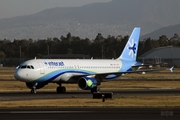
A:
[87,83]
[38,86]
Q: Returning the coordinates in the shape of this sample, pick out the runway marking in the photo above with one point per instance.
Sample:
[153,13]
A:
[45,112]
[162,89]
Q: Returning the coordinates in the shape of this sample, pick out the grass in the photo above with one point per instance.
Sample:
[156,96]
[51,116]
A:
[133,101]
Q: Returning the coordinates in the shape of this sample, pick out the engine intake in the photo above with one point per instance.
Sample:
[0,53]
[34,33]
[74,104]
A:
[87,83]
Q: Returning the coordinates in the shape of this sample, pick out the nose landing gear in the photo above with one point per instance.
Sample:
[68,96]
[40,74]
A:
[33,89]
[34,85]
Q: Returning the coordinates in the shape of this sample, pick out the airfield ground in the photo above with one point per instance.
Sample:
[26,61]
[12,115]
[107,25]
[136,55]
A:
[154,80]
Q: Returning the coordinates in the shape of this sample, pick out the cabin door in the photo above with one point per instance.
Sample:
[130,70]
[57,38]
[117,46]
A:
[42,68]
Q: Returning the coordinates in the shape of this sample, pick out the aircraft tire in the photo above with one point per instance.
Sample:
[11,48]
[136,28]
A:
[94,89]
[61,89]
[33,91]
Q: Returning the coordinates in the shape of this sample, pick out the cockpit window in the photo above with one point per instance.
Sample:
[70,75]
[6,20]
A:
[26,67]
[32,67]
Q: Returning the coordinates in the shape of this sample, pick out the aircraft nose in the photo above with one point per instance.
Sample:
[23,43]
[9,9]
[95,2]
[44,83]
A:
[23,75]
[18,75]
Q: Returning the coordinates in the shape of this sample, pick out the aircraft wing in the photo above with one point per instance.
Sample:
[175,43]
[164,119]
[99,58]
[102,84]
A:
[136,71]
[102,76]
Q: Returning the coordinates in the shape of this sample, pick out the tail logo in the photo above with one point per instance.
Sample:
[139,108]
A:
[132,48]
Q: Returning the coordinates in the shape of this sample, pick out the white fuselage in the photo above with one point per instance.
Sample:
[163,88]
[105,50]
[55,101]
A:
[56,70]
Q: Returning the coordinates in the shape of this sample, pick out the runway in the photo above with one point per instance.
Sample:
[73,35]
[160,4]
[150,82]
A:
[87,113]
[90,114]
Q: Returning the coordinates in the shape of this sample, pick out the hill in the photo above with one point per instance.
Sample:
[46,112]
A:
[169,31]
[117,17]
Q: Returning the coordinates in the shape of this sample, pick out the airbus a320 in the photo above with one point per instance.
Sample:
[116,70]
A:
[86,73]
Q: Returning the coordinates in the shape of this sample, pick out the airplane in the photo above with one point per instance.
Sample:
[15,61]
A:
[87,73]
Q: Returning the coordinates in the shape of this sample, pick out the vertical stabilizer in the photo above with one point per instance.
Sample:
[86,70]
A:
[131,48]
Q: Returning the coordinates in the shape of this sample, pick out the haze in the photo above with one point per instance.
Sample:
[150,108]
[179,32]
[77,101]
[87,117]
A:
[12,8]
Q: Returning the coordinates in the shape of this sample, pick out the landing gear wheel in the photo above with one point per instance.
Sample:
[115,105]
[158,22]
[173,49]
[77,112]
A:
[33,91]
[95,89]
[61,89]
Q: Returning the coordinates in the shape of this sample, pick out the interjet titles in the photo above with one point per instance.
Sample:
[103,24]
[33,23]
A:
[54,63]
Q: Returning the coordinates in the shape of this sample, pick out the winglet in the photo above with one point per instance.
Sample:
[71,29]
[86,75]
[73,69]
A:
[171,69]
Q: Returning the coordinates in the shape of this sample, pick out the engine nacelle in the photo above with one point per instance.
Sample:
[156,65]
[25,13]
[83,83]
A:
[87,83]
[38,86]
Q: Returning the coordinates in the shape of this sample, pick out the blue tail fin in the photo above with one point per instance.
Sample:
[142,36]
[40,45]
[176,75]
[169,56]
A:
[131,48]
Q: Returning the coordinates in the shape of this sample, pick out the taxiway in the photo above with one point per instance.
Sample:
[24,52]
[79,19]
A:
[5,96]
[87,113]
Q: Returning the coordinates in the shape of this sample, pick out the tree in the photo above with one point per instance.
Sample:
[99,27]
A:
[163,40]
[2,55]
[175,37]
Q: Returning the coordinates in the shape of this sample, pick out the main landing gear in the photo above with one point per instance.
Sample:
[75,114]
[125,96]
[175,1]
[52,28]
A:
[95,89]
[60,89]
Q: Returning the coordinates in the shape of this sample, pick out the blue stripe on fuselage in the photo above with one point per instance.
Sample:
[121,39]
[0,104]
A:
[53,75]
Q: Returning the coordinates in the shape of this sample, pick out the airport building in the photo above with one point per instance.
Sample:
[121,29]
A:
[165,56]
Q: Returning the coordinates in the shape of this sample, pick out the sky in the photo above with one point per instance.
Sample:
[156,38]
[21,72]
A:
[12,8]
